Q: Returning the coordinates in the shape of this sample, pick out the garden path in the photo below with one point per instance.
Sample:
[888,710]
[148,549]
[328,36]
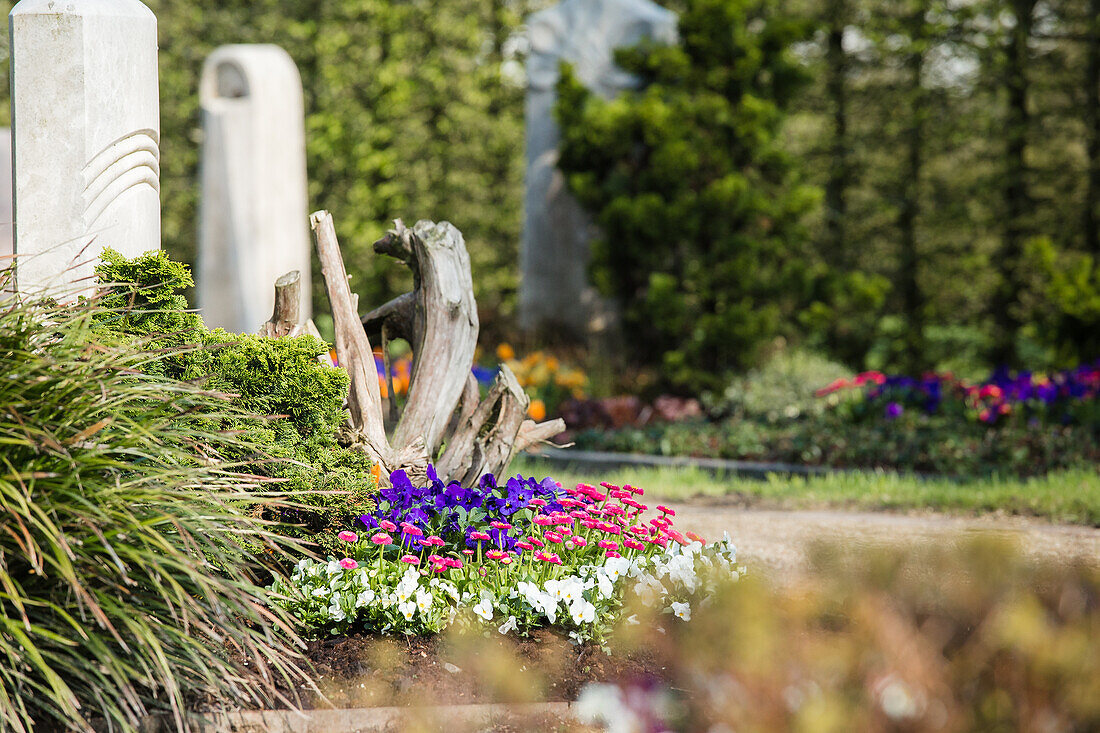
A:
[775,542]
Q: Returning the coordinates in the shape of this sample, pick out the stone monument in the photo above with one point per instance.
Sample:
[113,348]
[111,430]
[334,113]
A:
[86,135]
[253,212]
[7,242]
[554,287]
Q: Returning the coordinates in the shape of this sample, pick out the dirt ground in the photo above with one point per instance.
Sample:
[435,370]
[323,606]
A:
[775,543]
[360,670]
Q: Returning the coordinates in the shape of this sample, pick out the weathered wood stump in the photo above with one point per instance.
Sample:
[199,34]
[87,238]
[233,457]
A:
[439,319]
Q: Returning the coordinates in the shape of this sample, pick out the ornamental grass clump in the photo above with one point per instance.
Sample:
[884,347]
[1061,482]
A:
[128,549]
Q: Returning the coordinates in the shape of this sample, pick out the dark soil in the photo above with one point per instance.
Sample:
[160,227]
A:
[372,671]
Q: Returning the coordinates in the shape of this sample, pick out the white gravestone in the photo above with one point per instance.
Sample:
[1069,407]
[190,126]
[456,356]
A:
[253,212]
[554,288]
[86,136]
[6,213]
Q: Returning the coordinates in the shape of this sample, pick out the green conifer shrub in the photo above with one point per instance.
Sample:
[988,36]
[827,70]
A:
[293,400]
[700,208]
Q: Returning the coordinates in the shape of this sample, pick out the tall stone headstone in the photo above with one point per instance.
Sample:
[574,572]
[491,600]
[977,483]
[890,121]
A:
[254,217]
[86,136]
[7,233]
[554,287]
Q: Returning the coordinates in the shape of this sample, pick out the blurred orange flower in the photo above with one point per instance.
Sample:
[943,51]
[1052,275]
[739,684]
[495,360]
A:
[536,410]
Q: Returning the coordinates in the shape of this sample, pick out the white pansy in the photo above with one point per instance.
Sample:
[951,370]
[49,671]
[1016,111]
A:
[649,590]
[407,609]
[423,600]
[606,586]
[682,610]
[616,567]
[530,593]
[549,607]
[582,611]
[570,589]
[333,567]
[484,609]
[682,570]
[336,612]
[509,625]
[321,592]
[553,587]
[540,601]
[364,598]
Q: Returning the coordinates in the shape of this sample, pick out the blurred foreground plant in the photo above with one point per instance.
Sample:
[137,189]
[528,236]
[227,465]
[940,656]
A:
[932,638]
[127,548]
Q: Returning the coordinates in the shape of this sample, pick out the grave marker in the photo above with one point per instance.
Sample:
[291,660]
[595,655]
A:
[554,287]
[7,240]
[86,135]
[253,212]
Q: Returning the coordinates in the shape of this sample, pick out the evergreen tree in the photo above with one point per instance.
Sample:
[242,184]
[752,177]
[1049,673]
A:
[699,206]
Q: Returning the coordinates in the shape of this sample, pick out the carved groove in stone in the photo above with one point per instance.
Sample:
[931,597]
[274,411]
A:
[130,161]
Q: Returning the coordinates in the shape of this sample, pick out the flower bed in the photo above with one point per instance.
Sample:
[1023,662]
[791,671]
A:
[1019,424]
[1064,397]
[517,557]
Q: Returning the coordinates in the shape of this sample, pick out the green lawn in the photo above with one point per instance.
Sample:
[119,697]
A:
[1071,496]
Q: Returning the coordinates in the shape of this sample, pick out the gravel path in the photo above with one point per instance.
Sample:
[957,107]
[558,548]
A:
[774,542]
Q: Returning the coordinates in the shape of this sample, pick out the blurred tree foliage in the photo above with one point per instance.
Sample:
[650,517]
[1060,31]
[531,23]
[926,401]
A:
[408,115]
[959,147]
[956,146]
